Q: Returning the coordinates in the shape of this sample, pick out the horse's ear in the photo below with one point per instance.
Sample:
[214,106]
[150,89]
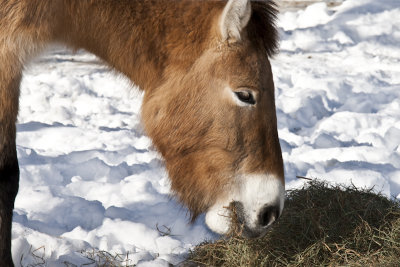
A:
[234,18]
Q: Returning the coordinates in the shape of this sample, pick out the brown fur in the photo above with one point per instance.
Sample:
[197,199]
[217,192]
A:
[171,49]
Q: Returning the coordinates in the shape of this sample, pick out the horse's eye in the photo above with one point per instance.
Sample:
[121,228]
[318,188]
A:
[246,97]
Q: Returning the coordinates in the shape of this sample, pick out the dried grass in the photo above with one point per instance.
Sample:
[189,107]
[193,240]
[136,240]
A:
[321,225]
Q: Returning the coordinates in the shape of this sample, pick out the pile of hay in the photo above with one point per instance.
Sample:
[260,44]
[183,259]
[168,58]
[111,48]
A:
[320,225]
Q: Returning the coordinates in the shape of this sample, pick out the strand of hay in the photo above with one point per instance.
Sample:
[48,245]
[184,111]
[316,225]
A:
[321,225]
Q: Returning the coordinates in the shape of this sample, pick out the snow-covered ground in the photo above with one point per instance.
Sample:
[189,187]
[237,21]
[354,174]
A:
[90,178]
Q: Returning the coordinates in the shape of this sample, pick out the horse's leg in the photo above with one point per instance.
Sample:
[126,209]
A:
[10,77]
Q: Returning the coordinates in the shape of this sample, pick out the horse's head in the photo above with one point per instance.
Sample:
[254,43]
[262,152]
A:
[214,120]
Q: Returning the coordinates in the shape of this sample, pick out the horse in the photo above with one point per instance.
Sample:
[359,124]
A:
[208,103]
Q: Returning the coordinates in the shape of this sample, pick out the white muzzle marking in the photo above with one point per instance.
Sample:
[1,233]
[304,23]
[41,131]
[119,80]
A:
[254,192]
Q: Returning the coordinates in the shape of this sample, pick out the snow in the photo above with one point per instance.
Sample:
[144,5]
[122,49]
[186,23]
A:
[90,178]
[339,108]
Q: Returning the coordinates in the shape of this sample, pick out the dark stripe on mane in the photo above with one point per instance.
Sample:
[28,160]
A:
[261,29]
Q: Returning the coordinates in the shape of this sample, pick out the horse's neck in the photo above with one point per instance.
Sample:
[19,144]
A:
[138,38]
[116,31]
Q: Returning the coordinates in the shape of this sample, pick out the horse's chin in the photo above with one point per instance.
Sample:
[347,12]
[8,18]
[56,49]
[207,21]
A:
[218,219]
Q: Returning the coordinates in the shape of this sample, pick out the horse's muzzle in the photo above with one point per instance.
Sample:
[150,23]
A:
[266,217]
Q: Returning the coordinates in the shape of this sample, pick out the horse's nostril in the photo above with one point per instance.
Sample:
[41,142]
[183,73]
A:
[268,215]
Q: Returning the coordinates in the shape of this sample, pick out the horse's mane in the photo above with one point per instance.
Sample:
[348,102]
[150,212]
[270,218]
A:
[261,29]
